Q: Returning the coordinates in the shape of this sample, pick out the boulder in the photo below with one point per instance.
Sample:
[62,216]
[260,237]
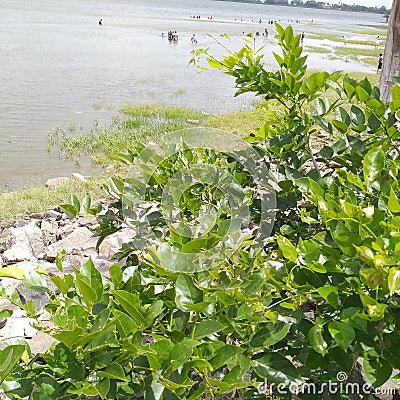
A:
[40,343]
[54,183]
[79,240]
[78,176]
[23,243]
[49,230]
[111,244]
[18,326]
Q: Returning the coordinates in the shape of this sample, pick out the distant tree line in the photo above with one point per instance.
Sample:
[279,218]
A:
[320,4]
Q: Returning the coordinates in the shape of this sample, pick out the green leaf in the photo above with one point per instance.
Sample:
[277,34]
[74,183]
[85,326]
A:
[340,126]
[316,339]
[373,165]
[5,313]
[394,280]
[12,271]
[9,358]
[345,239]
[90,283]
[85,205]
[214,63]
[372,277]
[375,310]
[113,371]
[342,333]
[357,115]
[224,354]
[393,202]
[115,275]
[130,302]
[377,370]
[153,312]
[103,387]
[180,354]
[288,250]
[206,328]
[186,292]
[59,258]
[275,368]
[70,210]
[330,294]
[395,104]
[362,94]
[270,333]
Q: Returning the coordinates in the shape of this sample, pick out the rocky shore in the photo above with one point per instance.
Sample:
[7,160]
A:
[33,243]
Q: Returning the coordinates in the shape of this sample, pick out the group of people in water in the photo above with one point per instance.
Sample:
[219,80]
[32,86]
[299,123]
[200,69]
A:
[173,37]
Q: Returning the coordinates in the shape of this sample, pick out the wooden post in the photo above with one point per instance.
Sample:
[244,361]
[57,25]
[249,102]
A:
[391,56]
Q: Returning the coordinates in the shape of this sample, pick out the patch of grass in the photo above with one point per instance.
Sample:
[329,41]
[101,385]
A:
[24,202]
[370,61]
[316,49]
[339,39]
[328,36]
[381,32]
[150,111]
[144,123]
[355,51]
[239,123]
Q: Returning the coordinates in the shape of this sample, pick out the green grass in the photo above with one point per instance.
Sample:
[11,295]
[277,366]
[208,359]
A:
[328,36]
[338,38]
[143,123]
[370,61]
[24,202]
[355,51]
[316,49]
[381,32]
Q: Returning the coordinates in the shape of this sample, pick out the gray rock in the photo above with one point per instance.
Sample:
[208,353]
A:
[23,243]
[18,326]
[111,244]
[53,214]
[50,231]
[53,183]
[86,221]
[81,239]
[37,216]
[40,343]
[78,176]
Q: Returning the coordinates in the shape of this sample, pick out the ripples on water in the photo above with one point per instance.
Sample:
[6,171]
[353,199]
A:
[57,63]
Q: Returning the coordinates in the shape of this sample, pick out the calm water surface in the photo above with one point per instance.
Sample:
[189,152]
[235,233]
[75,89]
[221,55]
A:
[58,66]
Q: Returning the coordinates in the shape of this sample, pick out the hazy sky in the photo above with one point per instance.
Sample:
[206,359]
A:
[368,3]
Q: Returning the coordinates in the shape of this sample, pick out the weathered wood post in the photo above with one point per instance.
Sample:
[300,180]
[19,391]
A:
[391,56]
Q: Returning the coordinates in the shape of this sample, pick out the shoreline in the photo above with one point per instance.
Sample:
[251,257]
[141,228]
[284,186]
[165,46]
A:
[96,70]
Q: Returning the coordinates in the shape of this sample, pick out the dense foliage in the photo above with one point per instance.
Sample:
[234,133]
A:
[302,305]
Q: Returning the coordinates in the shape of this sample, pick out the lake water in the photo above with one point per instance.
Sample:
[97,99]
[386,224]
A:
[59,66]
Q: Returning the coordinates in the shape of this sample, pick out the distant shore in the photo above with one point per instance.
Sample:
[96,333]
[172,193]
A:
[317,5]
